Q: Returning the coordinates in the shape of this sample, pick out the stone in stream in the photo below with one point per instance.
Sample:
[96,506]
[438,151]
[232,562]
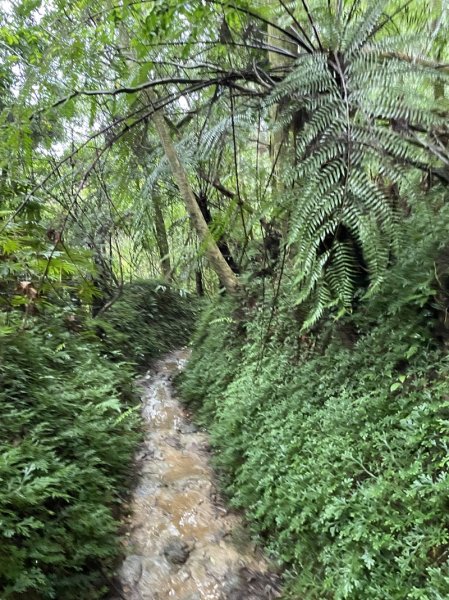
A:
[254,585]
[176,551]
[132,570]
[187,427]
[233,586]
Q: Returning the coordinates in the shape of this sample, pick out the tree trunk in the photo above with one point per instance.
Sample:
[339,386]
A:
[199,283]
[216,260]
[162,239]
[438,89]
[221,242]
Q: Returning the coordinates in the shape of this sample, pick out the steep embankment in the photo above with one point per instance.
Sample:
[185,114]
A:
[336,442]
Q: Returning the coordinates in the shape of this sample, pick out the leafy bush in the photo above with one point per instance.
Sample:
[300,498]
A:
[149,318]
[336,444]
[65,457]
[68,430]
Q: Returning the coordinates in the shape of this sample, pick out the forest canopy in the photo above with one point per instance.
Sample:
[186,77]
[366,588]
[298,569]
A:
[185,137]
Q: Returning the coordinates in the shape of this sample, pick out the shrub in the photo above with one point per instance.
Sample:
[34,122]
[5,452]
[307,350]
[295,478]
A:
[68,430]
[338,451]
[65,457]
[148,319]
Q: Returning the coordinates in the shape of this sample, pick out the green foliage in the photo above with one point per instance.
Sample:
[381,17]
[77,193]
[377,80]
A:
[65,459]
[68,430]
[335,444]
[148,319]
[360,98]
[333,440]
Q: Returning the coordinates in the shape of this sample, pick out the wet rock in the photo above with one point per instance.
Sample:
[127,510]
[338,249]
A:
[232,588]
[132,569]
[258,585]
[173,442]
[146,487]
[187,428]
[176,551]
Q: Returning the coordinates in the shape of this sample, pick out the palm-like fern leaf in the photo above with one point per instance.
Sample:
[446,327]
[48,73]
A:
[367,109]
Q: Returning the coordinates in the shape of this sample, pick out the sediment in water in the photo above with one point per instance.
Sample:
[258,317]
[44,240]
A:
[179,540]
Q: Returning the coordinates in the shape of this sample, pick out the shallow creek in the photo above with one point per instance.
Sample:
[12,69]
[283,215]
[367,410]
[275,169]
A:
[181,540]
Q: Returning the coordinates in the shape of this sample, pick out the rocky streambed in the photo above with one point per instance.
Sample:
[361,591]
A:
[181,539]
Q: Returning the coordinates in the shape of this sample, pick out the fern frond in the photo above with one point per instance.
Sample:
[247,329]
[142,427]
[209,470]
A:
[367,110]
[358,33]
[211,137]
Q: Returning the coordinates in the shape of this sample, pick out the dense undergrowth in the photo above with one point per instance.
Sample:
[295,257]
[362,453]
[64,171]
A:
[68,429]
[336,442]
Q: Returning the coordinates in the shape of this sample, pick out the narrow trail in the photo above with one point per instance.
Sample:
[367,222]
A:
[180,535]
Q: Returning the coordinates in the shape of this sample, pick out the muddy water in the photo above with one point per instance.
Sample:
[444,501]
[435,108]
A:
[181,539]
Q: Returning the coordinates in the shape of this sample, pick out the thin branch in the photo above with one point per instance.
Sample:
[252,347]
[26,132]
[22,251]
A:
[250,13]
[125,89]
[236,168]
[229,79]
[298,24]
[312,23]
[354,5]
[256,46]
[389,18]
[339,8]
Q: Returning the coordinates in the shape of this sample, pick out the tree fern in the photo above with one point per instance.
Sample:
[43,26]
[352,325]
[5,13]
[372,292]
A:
[367,114]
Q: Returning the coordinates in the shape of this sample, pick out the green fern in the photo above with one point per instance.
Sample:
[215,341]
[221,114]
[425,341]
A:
[367,109]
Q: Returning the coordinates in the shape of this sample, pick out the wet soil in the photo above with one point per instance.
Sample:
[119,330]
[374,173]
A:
[180,541]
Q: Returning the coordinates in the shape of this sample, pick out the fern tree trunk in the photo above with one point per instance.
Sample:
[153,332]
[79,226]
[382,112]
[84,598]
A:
[216,260]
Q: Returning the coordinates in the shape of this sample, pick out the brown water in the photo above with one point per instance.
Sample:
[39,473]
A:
[181,538]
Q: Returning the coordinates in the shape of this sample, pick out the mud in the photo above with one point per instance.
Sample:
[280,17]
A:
[180,541]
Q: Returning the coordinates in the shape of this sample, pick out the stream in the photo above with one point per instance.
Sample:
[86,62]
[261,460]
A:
[182,542]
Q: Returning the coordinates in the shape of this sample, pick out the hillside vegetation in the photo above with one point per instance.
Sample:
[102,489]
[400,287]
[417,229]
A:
[69,428]
[334,442]
[282,165]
